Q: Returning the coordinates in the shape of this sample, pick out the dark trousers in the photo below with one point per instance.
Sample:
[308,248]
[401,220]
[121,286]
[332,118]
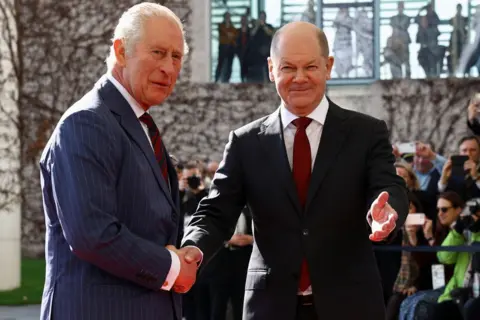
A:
[393,306]
[388,263]
[306,313]
[472,309]
[447,310]
[226,54]
[228,283]
[257,73]
[196,302]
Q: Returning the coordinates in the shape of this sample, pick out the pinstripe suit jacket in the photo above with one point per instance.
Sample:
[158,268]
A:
[109,215]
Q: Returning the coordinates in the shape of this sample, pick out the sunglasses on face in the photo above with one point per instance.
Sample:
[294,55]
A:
[443,209]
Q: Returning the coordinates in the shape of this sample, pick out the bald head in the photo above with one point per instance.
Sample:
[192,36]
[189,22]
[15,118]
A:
[300,66]
[294,30]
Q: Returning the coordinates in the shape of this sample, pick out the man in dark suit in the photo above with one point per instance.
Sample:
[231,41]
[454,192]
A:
[110,191]
[473,119]
[310,173]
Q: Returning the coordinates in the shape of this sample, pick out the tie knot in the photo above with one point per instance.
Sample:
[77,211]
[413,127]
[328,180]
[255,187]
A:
[147,119]
[302,122]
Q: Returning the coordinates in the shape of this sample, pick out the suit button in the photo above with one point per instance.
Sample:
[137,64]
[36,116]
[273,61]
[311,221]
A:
[305,232]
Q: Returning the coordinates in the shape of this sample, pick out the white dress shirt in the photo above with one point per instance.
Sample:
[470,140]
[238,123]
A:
[314,133]
[314,130]
[139,111]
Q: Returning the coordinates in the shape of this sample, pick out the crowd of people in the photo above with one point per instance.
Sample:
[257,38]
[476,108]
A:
[353,44]
[250,43]
[447,192]
[461,54]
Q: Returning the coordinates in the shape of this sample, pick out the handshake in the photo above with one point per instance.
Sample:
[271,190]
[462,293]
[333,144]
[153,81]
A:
[190,258]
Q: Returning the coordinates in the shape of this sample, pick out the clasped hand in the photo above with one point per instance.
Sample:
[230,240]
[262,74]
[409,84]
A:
[383,218]
[189,258]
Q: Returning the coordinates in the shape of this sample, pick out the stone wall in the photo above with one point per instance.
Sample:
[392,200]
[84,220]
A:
[427,110]
[62,46]
[196,120]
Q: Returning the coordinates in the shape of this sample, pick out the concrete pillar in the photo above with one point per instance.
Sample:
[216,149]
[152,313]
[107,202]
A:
[201,42]
[10,209]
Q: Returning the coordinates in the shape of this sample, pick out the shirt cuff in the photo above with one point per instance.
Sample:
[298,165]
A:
[369,218]
[441,186]
[173,273]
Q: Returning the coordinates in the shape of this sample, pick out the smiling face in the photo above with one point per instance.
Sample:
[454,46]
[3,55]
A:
[150,71]
[447,214]
[299,68]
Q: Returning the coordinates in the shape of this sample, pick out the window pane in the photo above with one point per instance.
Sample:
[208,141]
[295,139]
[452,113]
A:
[349,27]
[430,51]
[236,8]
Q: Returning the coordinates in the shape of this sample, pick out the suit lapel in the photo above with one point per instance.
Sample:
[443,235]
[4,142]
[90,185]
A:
[172,176]
[271,138]
[333,136]
[128,120]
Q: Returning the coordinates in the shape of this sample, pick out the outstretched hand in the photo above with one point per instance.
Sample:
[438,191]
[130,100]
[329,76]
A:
[383,218]
[190,257]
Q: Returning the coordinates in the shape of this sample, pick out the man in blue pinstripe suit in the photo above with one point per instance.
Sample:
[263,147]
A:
[110,192]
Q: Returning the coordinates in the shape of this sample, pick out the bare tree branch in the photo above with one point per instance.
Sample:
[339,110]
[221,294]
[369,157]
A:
[57,51]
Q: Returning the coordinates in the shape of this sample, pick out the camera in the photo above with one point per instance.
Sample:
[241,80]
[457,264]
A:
[472,207]
[194,182]
[468,219]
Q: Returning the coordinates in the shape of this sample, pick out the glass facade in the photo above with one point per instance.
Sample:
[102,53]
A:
[370,39]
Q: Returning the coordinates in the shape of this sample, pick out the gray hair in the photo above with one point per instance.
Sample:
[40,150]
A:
[130,27]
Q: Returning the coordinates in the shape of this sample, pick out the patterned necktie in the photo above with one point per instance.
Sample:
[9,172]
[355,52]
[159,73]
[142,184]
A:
[302,171]
[156,143]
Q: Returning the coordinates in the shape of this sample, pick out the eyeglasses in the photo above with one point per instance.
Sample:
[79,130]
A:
[443,209]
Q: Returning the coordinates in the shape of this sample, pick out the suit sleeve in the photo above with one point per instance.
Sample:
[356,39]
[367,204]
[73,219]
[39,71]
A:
[474,126]
[84,165]
[383,177]
[217,214]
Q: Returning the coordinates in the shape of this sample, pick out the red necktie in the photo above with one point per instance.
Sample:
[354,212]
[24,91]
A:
[156,143]
[302,170]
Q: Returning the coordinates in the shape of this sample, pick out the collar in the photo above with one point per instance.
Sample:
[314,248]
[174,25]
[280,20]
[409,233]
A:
[318,114]
[131,101]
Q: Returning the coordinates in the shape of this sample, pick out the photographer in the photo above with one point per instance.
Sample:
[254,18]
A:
[194,189]
[196,302]
[466,230]
[473,119]
[461,172]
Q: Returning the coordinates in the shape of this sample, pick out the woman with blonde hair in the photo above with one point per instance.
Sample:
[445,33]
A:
[427,200]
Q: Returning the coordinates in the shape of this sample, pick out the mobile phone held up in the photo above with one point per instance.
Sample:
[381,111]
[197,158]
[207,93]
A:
[406,147]
[458,163]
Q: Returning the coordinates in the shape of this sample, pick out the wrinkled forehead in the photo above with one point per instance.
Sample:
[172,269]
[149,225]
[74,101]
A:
[163,31]
[303,47]
[469,145]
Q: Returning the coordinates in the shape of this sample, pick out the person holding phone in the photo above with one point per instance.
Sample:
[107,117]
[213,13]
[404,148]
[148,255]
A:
[461,172]
[428,166]
[473,119]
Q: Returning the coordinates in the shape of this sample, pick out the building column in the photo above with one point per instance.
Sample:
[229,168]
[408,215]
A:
[200,34]
[10,204]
